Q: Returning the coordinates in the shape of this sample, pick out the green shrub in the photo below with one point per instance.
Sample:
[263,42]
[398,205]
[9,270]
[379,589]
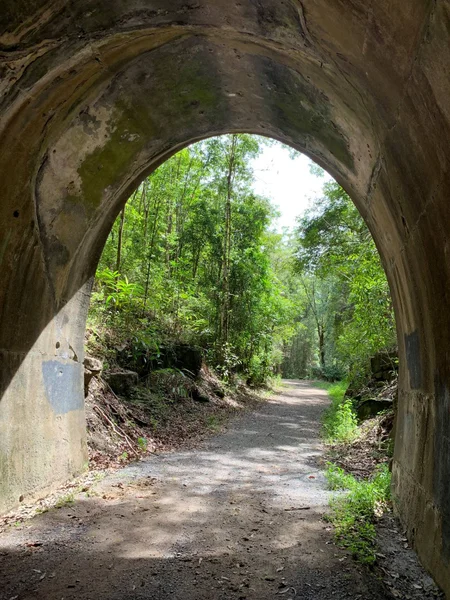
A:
[142,443]
[339,420]
[333,373]
[337,478]
[353,514]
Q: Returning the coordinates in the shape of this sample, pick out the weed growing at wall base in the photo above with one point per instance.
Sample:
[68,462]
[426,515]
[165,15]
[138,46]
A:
[353,513]
[358,502]
[67,500]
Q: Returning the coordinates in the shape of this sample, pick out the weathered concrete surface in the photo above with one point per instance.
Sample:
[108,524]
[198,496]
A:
[96,93]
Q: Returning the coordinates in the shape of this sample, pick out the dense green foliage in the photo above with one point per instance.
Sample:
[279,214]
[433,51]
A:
[353,514]
[189,260]
[348,305]
[193,258]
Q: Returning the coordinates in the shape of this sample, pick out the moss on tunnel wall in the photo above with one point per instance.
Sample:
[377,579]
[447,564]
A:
[145,115]
[299,106]
[129,130]
[166,73]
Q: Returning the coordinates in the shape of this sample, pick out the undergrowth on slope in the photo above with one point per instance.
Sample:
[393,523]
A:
[353,514]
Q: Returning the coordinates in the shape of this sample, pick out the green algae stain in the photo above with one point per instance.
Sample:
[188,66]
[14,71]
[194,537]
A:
[129,130]
[199,89]
[154,104]
[315,125]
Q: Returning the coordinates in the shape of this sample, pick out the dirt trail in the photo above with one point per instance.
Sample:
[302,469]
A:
[239,518]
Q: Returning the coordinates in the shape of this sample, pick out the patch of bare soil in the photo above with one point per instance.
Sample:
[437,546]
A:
[170,412]
[398,565]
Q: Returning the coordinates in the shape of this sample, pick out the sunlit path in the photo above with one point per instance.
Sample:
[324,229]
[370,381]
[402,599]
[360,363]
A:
[239,518]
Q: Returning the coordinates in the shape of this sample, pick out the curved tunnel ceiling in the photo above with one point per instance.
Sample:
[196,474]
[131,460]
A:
[94,94]
[144,113]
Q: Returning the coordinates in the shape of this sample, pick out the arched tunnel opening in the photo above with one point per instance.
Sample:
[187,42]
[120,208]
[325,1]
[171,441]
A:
[197,274]
[95,96]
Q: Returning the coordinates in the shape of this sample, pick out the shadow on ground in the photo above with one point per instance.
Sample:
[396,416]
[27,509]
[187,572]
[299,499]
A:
[239,518]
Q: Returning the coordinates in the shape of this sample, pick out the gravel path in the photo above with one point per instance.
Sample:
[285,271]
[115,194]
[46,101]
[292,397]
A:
[239,518]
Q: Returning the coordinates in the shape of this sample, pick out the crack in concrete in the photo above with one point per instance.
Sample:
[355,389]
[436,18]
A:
[304,27]
[375,175]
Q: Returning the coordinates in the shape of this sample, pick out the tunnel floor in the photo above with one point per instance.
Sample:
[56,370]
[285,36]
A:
[239,518]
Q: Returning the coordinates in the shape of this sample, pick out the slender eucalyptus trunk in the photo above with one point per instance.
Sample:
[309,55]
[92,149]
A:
[146,206]
[120,239]
[154,229]
[321,332]
[226,258]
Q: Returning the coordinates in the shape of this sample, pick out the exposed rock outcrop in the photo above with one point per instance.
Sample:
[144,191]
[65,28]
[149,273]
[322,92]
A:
[93,367]
[122,382]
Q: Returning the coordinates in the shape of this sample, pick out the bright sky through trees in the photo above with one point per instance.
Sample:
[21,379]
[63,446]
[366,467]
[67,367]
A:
[286,181]
[194,259]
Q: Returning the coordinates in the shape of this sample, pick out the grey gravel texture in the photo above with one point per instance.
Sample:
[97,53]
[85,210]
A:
[239,518]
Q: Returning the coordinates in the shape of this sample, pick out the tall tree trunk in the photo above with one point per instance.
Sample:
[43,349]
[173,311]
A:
[225,308]
[146,205]
[321,332]
[181,210]
[196,259]
[119,241]
[158,204]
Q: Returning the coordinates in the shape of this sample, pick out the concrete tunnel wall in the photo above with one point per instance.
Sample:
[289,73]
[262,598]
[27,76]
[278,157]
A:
[95,94]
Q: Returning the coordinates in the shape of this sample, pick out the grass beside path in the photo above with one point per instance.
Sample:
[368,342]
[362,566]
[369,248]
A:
[339,423]
[353,513]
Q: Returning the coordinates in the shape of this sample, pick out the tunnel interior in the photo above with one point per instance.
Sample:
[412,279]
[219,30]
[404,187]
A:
[94,96]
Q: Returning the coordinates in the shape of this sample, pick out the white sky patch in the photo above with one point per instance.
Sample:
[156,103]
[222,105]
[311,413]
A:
[287,182]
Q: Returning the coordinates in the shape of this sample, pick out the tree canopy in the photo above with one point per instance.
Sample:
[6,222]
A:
[194,258]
